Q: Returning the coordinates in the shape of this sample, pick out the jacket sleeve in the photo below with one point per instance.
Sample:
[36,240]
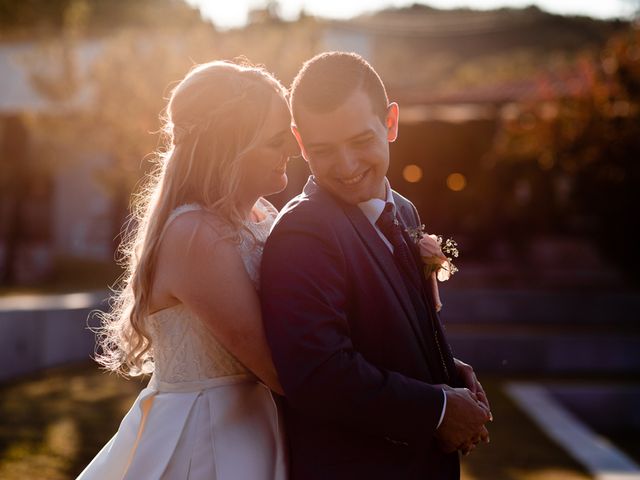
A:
[305,302]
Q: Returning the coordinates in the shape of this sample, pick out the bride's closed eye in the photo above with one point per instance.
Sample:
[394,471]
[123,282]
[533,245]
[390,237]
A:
[277,141]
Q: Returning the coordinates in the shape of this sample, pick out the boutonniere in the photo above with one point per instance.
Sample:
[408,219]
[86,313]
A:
[437,254]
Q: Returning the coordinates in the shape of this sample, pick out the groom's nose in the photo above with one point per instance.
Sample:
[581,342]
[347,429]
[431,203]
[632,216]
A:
[346,162]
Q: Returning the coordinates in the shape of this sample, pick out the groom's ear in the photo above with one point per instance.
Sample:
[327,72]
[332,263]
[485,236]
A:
[391,121]
[296,133]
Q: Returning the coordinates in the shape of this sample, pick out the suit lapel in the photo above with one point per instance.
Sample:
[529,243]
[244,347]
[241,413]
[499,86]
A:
[424,282]
[383,257]
[445,353]
[415,251]
[374,244]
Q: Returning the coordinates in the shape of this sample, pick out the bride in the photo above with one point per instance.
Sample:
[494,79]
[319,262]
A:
[189,311]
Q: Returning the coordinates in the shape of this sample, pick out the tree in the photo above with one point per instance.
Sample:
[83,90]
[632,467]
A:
[588,146]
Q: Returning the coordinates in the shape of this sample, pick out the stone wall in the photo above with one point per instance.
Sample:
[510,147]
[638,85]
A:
[37,332]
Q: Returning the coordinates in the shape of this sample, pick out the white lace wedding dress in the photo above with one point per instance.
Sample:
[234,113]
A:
[203,415]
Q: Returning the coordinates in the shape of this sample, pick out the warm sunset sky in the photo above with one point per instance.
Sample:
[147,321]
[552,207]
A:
[232,13]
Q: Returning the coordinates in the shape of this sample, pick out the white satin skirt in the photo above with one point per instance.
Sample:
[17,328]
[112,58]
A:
[225,428]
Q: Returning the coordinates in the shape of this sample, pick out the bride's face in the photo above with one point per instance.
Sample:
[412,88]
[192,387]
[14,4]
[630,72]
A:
[264,166]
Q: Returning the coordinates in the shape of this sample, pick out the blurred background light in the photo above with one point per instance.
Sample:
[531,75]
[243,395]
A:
[456,182]
[412,173]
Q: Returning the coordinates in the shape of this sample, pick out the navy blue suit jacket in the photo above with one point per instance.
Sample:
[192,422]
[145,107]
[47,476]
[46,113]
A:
[351,349]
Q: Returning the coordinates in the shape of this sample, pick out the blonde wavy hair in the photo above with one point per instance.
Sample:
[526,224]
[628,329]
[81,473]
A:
[213,116]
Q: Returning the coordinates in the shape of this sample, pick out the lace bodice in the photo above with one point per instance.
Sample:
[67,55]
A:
[184,348]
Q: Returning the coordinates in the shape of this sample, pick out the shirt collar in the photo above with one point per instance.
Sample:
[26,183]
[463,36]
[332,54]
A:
[373,207]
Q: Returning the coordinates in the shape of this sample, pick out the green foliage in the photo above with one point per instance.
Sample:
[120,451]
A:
[590,143]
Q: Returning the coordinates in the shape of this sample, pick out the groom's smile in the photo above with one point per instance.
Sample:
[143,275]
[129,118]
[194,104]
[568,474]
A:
[348,148]
[355,179]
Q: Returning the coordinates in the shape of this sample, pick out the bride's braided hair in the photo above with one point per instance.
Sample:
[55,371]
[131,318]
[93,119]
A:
[213,116]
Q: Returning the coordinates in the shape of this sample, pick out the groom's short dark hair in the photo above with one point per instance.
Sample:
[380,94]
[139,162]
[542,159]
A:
[325,81]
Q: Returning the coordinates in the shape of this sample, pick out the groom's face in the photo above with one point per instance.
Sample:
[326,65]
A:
[348,148]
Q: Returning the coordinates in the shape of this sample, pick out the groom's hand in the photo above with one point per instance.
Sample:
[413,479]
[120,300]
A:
[468,376]
[463,421]
[468,447]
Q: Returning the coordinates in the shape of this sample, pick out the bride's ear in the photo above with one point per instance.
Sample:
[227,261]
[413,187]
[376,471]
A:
[296,133]
[391,121]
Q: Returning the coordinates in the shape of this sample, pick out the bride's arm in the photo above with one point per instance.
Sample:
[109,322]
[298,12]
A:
[205,272]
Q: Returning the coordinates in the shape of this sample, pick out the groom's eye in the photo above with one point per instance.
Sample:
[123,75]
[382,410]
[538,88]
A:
[362,142]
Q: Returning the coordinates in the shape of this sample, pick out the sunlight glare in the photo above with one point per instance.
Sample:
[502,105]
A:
[235,14]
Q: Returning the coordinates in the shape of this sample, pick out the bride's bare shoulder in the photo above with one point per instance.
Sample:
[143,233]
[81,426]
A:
[193,234]
[193,245]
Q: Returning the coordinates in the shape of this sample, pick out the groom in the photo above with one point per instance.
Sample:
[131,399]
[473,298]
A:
[372,389]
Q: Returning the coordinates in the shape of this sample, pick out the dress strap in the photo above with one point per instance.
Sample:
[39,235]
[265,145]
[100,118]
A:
[188,207]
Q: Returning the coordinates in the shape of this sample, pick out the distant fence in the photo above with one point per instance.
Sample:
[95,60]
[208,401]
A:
[40,331]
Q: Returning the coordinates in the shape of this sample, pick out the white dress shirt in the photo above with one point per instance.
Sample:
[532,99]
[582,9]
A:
[372,209]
